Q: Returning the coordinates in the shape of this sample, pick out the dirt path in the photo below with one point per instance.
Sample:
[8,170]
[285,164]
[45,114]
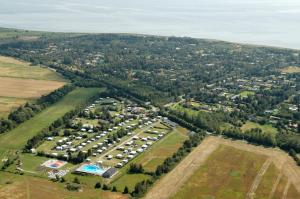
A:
[286,189]
[169,184]
[262,171]
[275,186]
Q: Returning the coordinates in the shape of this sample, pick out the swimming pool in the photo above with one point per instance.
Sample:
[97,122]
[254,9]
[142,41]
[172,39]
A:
[92,169]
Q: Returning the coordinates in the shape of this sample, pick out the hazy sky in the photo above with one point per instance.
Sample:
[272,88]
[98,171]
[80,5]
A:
[270,22]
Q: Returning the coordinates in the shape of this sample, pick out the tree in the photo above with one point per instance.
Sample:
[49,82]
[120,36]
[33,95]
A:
[114,189]
[105,187]
[126,190]
[98,185]
[76,180]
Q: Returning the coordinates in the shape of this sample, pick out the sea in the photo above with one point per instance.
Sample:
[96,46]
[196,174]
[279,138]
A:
[262,22]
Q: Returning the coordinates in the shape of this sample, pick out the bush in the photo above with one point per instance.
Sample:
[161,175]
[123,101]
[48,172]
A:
[126,190]
[73,187]
[114,189]
[76,180]
[105,187]
[98,185]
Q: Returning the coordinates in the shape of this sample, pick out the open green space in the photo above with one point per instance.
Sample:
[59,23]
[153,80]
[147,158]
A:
[267,128]
[151,158]
[18,137]
[162,149]
[222,177]
[245,94]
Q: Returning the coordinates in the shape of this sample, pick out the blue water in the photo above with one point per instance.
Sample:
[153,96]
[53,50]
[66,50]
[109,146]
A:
[268,22]
[93,169]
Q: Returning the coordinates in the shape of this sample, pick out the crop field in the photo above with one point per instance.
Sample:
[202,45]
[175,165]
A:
[8,103]
[10,67]
[208,172]
[25,88]
[21,83]
[18,137]
[268,128]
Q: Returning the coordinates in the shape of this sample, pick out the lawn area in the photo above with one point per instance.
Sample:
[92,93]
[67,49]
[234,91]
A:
[162,149]
[268,128]
[17,138]
[189,111]
[228,173]
[129,180]
[151,158]
[245,94]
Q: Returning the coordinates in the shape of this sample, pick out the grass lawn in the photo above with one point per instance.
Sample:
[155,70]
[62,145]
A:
[17,138]
[228,173]
[162,149]
[130,181]
[151,158]
[189,111]
[268,128]
[245,94]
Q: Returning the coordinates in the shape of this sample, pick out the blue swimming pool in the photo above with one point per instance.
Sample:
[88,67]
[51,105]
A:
[91,168]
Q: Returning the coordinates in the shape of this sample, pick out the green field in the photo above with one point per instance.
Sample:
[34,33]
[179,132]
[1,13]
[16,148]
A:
[151,158]
[17,138]
[267,128]
[223,177]
[162,149]
[245,94]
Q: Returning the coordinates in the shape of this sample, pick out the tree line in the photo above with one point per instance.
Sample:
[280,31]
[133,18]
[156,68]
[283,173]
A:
[27,111]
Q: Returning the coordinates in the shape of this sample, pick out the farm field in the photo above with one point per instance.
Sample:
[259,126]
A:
[8,103]
[221,177]
[21,83]
[18,137]
[291,69]
[207,172]
[26,88]
[268,128]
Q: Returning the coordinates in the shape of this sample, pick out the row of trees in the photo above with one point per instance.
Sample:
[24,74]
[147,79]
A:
[27,111]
